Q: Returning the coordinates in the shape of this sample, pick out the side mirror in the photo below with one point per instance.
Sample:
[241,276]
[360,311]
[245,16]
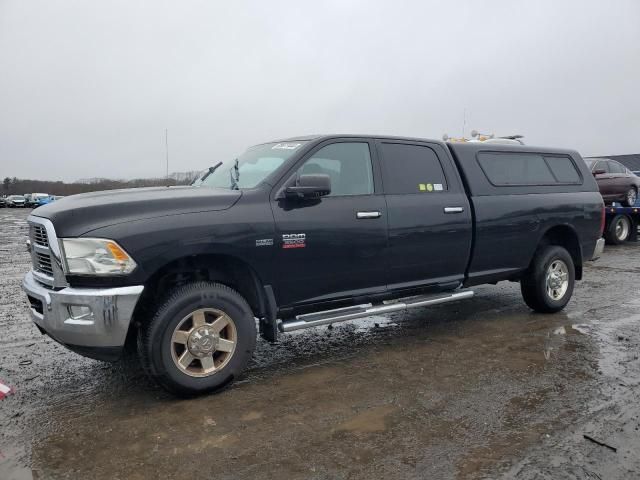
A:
[310,186]
[599,172]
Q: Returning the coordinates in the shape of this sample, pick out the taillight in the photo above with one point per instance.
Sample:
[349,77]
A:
[602,220]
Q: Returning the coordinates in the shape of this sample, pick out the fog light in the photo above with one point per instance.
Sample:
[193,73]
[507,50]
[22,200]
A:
[80,312]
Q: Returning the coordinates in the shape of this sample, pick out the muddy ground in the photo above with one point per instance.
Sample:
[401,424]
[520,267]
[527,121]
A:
[480,389]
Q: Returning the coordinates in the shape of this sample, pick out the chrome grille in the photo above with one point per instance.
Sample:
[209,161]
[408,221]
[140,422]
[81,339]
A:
[45,253]
[39,235]
[43,262]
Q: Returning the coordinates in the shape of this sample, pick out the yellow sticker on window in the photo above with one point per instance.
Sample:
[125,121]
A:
[422,187]
[429,187]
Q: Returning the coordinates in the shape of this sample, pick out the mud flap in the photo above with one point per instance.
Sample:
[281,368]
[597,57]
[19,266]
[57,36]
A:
[269,323]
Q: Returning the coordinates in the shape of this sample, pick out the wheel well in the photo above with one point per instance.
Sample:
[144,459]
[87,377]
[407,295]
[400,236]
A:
[566,237]
[223,269]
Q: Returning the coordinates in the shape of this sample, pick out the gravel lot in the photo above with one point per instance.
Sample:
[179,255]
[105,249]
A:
[479,389]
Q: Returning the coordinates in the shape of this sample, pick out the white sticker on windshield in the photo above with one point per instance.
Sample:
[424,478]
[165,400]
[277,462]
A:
[437,187]
[286,146]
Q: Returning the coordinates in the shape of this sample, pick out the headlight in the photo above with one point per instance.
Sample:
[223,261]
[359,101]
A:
[95,256]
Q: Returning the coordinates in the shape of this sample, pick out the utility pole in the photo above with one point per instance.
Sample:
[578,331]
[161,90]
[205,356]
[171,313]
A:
[464,121]
[166,148]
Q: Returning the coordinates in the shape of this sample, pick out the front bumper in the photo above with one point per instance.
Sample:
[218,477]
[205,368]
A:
[92,321]
[597,252]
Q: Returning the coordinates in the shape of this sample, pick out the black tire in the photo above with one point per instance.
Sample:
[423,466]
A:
[534,284]
[155,345]
[619,230]
[630,198]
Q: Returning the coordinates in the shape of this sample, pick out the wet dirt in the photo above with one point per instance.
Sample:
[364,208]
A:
[479,389]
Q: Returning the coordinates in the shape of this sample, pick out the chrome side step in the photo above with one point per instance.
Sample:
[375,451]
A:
[349,313]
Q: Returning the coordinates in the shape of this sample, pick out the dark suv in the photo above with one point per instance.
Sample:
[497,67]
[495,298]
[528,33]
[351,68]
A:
[615,181]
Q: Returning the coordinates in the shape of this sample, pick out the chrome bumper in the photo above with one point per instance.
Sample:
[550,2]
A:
[102,323]
[597,252]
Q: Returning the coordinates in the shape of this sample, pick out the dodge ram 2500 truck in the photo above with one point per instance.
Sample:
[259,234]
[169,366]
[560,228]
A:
[303,232]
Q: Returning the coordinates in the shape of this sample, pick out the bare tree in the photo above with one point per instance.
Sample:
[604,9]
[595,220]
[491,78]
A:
[23,186]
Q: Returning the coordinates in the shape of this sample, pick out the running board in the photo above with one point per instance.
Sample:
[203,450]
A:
[326,317]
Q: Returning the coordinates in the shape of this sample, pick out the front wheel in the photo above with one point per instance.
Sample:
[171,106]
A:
[199,340]
[548,285]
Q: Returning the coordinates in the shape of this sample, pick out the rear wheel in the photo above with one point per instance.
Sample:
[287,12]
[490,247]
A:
[199,340]
[548,285]
[619,230]
[630,198]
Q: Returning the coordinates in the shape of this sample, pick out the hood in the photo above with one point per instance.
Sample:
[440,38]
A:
[77,214]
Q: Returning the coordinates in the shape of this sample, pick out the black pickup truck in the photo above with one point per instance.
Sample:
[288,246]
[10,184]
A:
[304,232]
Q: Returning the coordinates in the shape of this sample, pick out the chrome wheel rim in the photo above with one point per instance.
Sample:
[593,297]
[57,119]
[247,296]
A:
[622,229]
[557,281]
[631,197]
[203,342]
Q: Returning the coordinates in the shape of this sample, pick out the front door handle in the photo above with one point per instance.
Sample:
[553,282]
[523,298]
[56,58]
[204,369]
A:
[375,214]
[453,209]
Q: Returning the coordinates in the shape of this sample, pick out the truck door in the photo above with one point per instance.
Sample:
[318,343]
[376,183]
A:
[333,246]
[428,212]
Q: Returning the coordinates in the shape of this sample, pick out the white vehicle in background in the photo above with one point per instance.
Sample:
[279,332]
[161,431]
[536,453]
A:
[32,199]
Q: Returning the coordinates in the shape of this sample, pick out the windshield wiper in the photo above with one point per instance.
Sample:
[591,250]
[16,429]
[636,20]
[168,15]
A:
[209,171]
[234,180]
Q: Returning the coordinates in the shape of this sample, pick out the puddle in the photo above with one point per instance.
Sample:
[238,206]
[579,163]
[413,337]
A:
[613,360]
[370,421]
[10,469]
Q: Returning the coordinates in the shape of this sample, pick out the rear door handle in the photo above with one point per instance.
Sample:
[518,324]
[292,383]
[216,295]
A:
[453,209]
[368,215]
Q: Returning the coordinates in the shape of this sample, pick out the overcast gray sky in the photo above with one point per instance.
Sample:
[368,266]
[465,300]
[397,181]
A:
[87,88]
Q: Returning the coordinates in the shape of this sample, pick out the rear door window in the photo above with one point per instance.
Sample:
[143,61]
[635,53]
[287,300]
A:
[411,169]
[615,167]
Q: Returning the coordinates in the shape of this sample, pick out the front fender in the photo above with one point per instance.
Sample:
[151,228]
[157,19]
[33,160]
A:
[156,242]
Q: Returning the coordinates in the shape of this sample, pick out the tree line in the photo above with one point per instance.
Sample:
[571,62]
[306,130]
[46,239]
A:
[21,186]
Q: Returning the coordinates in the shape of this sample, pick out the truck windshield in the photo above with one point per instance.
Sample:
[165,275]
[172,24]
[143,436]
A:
[250,168]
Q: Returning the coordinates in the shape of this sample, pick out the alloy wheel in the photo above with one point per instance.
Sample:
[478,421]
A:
[203,342]
[557,279]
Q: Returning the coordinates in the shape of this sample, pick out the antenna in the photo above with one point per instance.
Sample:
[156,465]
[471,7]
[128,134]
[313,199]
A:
[166,148]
